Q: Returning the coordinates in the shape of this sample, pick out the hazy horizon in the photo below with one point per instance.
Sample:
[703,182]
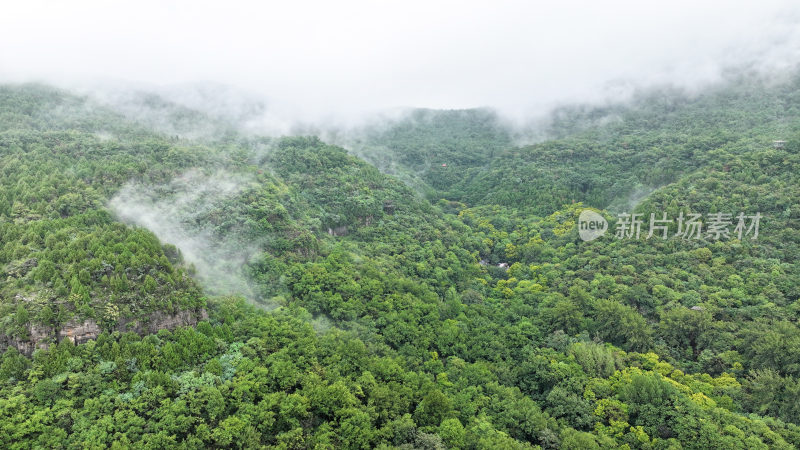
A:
[350,59]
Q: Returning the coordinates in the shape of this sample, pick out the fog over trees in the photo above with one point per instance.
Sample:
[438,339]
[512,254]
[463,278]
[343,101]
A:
[364,225]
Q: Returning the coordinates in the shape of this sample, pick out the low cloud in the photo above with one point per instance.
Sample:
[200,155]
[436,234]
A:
[323,62]
[180,213]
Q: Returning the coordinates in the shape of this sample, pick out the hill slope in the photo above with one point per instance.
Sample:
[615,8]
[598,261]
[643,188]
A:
[374,318]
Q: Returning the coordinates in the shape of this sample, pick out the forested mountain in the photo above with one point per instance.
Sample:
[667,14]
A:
[431,148]
[163,288]
[609,156]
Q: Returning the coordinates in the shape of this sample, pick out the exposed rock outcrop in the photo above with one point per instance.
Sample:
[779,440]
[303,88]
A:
[20,268]
[338,231]
[40,337]
[160,320]
[80,332]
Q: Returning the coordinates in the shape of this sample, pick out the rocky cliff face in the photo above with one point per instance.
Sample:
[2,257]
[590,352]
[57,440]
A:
[79,332]
[39,338]
[160,320]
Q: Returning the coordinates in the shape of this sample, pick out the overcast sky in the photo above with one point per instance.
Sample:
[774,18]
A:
[347,56]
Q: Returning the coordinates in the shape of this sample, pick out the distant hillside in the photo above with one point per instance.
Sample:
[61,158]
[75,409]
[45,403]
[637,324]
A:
[423,143]
[607,157]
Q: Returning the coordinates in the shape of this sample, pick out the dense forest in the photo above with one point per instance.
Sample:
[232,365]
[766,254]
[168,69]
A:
[422,284]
